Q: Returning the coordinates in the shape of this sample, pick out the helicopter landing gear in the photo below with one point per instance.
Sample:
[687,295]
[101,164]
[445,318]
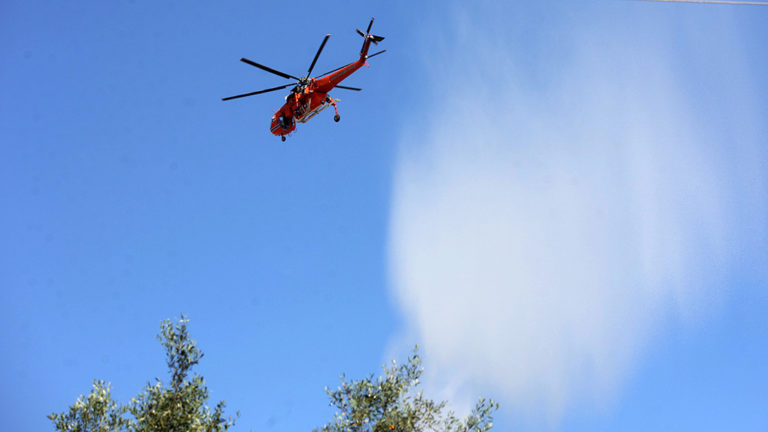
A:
[336,118]
[282,137]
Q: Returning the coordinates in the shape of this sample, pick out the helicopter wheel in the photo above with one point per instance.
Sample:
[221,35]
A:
[282,137]
[336,118]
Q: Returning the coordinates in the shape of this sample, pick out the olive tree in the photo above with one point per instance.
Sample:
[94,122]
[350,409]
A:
[391,403]
[388,403]
[182,405]
[96,412]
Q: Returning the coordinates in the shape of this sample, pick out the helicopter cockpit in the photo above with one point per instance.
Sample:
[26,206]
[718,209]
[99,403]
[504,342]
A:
[285,122]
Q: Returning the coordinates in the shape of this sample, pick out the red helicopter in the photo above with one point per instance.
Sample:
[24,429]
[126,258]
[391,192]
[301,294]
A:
[309,96]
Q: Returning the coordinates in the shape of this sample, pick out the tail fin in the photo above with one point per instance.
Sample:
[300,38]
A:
[368,39]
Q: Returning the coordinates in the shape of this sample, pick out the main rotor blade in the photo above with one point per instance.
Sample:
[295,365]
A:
[370,24]
[338,68]
[374,55]
[319,50]
[342,67]
[268,69]
[348,88]
[258,92]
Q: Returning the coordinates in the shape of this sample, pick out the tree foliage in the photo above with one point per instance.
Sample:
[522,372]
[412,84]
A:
[391,403]
[181,406]
[96,412]
[384,404]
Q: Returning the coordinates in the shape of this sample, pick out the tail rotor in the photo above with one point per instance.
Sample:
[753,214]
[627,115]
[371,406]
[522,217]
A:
[368,36]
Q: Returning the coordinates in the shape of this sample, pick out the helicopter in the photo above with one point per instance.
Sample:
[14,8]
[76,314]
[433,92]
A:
[309,96]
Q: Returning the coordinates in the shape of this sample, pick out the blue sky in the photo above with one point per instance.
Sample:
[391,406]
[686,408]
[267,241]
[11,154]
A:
[563,203]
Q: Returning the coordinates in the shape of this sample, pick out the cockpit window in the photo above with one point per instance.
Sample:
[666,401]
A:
[285,122]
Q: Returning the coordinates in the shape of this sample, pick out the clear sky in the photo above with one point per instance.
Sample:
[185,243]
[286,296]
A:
[563,202]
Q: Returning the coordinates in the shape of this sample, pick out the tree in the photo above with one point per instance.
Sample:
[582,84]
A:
[95,413]
[385,404]
[390,403]
[182,406]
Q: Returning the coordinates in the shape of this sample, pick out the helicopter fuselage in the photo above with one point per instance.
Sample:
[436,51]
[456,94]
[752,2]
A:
[303,104]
